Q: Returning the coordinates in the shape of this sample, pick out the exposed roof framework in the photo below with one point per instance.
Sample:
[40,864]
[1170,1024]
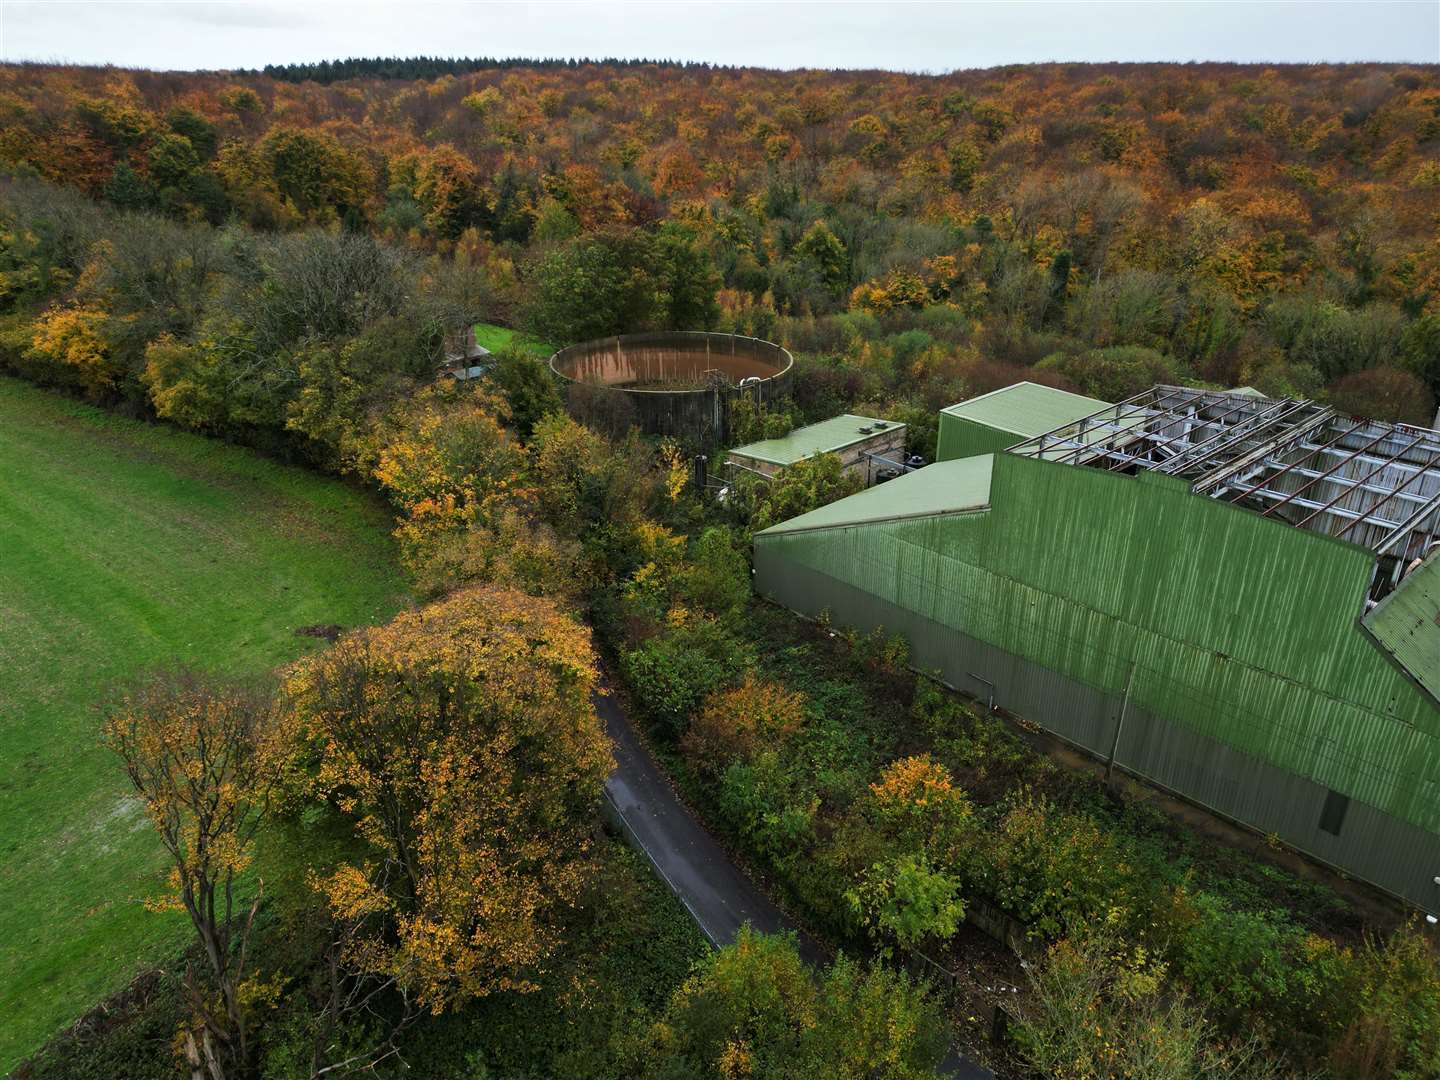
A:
[1372,483]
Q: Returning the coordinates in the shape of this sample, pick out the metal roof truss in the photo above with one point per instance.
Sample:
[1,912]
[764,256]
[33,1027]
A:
[1372,483]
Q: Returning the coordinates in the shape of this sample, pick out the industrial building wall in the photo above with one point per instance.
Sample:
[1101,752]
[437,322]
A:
[960,438]
[1252,689]
[1372,846]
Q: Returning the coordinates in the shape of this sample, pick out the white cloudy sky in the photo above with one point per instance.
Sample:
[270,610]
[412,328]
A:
[912,36]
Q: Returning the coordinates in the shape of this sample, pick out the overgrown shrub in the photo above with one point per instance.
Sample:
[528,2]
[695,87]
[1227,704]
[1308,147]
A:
[672,673]
[763,800]
[1101,1009]
[800,488]
[1388,1005]
[716,575]
[734,724]
[755,1009]
[908,900]
[1237,961]
[751,421]
[1056,871]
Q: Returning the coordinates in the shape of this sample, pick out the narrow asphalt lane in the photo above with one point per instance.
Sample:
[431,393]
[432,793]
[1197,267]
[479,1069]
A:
[716,892]
[719,896]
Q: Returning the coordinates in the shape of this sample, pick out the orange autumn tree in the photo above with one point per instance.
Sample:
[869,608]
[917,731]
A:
[461,742]
[917,803]
[200,756]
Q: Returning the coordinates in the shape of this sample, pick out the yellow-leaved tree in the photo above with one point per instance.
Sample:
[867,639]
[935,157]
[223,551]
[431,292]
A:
[445,459]
[461,741]
[201,757]
[72,341]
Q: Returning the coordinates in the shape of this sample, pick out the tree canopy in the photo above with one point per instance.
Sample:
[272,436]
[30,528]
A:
[461,742]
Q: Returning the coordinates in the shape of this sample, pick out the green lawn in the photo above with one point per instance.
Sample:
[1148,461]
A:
[492,337]
[125,545]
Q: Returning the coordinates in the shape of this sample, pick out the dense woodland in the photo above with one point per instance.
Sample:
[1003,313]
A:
[283,263]
[1102,227]
[433,67]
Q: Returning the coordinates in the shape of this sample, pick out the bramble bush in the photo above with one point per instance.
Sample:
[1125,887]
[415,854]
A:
[765,803]
[1052,870]
[1237,961]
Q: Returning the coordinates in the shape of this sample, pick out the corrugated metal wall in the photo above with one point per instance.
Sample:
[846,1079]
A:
[1254,690]
[1406,624]
[961,437]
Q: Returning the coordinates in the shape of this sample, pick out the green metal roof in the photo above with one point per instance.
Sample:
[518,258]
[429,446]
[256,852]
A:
[1026,408]
[947,487]
[825,437]
[1406,624]
[1247,391]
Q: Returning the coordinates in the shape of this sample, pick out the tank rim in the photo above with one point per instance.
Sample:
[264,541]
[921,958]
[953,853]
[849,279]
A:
[581,347]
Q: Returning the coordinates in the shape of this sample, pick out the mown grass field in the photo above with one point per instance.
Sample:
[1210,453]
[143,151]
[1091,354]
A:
[125,545]
[492,337]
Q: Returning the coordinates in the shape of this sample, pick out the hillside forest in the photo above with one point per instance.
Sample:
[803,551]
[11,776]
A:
[284,263]
[922,238]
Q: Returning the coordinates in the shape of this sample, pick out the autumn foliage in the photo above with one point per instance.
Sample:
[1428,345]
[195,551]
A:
[202,757]
[1094,227]
[447,462]
[289,263]
[734,724]
[461,742]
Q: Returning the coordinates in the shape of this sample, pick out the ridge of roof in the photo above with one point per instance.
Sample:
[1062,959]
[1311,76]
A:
[946,487]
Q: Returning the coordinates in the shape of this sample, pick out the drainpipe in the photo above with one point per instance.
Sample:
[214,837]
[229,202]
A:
[1120,721]
[990,701]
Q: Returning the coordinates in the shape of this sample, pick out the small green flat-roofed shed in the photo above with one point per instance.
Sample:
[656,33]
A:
[989,423]
[856,440]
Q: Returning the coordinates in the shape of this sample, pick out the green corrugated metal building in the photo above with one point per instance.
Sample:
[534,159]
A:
[1253,687]
[989,423]
[1406,624]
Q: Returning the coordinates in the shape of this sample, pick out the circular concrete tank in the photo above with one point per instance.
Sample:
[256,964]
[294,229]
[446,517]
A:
[679,383]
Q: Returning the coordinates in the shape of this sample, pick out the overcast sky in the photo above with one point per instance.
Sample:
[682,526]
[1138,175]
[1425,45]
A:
[922,36]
